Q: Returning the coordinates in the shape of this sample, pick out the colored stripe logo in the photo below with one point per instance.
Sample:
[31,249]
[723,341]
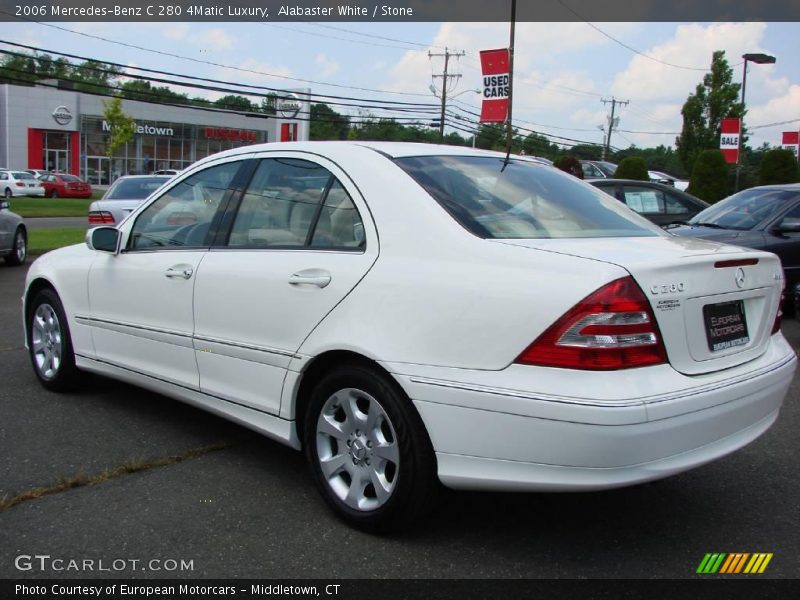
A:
[735,563]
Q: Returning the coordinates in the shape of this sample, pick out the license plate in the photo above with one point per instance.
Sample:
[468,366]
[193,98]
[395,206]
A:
[726,325]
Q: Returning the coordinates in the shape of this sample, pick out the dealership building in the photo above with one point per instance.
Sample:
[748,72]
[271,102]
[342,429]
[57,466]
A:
[44,127]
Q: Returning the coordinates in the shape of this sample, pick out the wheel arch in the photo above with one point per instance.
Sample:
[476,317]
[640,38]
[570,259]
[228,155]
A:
[36,286]
[324,363]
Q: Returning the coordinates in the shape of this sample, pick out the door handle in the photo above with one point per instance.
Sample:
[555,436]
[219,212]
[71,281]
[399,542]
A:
[179,271]
[316,277]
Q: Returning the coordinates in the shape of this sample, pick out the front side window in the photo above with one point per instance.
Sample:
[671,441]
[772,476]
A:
[292,203]
[183,215]
[519,199]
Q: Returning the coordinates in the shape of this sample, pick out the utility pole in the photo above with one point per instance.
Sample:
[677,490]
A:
[611,122]
[444,76]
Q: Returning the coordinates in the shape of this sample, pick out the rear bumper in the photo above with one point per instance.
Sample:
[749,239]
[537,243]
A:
[489,438]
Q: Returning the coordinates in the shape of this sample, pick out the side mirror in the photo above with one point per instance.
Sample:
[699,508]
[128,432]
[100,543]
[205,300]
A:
[103,239]
[5,205]
[787,227]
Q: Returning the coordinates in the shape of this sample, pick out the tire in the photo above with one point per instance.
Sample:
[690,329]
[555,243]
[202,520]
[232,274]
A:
[376,476]
[54,194]
[9,193]
[50,344]
[20,249]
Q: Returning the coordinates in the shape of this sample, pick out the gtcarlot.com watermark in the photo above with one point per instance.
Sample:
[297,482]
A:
[47,563]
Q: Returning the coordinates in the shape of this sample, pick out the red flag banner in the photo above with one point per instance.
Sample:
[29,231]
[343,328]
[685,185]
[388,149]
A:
[729,140]
[791,141]
[496,89]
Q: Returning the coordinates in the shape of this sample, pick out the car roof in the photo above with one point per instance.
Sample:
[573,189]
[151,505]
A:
[142,177]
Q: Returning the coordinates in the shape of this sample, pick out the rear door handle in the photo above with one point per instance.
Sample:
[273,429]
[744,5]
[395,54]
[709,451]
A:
[179,271]
[316,277]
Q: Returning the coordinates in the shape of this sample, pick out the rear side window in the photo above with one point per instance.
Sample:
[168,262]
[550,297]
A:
[292,203]
[521,200]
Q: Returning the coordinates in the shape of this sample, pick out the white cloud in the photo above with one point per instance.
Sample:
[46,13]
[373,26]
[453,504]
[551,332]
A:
[175,31]
[327,67]
[216,39]
[692,46]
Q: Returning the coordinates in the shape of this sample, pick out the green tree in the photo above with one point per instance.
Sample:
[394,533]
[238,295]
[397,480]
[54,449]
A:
[139,89]
[269,105]
[234,102]
[491,136]
[569,164]
[716,98]
[586,151]
[95,77]
[121,126]
[327,124]
[709,179]
[779,166]
[18,70]
[535,144]
[632,167]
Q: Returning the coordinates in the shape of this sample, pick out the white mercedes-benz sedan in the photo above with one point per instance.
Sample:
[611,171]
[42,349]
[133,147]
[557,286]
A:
[411,315]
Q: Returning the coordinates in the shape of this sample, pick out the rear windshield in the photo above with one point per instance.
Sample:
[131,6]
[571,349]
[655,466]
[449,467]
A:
[134,189]
[69,178]
[19,175]
[522,200]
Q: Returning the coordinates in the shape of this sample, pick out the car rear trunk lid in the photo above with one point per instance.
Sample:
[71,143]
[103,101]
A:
[715,304]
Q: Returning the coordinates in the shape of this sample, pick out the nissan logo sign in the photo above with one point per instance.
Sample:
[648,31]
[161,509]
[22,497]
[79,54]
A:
[61,115]
[289,106]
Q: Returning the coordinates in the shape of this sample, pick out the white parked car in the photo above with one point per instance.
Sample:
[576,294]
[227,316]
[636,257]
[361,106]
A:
[667,179]
[19,183]
[124,195]
[411,315]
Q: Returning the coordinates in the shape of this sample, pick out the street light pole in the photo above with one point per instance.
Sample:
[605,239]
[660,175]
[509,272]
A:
[759,59]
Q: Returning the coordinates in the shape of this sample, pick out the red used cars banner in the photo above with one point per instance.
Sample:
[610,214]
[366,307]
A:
[495,69]
[729,140]
[791,141]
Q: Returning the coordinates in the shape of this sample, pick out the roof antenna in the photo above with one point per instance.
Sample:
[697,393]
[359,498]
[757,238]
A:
[509,128]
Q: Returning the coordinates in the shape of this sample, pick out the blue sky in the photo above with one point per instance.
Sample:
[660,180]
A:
[562,69]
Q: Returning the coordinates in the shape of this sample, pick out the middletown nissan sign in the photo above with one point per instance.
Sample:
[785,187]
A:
[146,129]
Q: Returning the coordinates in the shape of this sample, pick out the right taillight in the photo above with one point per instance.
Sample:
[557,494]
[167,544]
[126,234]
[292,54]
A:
[613,328]
[101,217]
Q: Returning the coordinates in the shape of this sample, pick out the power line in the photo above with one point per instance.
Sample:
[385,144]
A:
[209,80]
[211,63]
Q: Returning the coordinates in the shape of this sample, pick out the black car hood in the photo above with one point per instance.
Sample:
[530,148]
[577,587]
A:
[707,233]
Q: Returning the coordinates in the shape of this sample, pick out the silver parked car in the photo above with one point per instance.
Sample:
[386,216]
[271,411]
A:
[124,195]
[13,236]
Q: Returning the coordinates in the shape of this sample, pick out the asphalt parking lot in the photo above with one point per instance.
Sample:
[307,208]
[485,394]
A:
[249,509]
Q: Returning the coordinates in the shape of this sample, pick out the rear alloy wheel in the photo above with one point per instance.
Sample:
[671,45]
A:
[20,249]
[9,193]
[369,451]
[50,344]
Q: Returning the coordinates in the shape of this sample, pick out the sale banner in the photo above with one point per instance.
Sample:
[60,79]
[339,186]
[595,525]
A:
[495,66]
[729,139]
[791,141]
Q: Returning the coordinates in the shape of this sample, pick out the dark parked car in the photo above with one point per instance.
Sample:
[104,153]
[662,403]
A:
[766,217]
[661,204]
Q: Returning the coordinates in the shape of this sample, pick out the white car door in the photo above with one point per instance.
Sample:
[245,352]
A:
[300,239]
[141,299]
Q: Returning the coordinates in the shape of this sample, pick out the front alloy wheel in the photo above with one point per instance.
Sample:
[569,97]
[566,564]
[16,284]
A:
[50,343]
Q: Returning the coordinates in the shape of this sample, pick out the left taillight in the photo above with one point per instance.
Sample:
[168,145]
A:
[612,328]
[101,217]
[776,326]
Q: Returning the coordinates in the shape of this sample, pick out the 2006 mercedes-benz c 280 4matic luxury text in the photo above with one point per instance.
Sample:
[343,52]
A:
[414,314]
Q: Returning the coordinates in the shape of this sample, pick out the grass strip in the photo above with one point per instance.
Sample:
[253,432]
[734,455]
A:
[47,207]
[81,480]
[43,240]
